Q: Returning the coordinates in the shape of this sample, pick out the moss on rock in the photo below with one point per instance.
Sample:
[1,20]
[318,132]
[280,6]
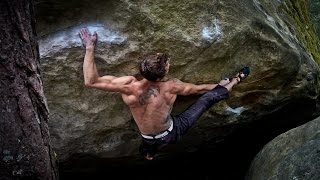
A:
[299,13]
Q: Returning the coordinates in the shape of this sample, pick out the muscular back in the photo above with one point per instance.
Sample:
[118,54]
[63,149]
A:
[150,104]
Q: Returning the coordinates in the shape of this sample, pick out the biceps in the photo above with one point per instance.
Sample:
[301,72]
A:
[185,89]
[116,87]
[190,89]
[113,84]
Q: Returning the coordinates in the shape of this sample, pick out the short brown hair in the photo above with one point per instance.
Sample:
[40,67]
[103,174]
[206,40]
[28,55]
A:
[153,67]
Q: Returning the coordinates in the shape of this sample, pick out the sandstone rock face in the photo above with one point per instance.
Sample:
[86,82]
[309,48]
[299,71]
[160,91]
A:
[207,40]
[292,155]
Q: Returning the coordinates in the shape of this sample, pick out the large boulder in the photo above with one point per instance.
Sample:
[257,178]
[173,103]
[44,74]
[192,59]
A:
[207,40]
[292,155]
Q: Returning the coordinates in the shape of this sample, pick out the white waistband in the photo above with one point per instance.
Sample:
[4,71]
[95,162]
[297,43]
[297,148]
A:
[166,132]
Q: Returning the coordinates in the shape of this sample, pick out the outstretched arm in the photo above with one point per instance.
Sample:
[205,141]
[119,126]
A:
[182,88]
[90,72]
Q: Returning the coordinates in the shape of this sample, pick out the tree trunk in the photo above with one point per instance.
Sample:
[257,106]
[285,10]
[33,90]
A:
[25,150]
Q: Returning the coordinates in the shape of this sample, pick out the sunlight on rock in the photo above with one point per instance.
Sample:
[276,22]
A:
[237,110]
[213,32]
[55,42]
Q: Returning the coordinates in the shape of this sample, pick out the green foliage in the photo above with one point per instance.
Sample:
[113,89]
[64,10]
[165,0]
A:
[315,14]
[299,12]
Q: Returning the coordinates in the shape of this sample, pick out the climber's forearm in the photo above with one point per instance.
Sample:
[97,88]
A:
[90,71]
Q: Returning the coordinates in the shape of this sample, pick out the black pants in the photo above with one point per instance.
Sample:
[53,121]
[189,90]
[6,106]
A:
[183,121]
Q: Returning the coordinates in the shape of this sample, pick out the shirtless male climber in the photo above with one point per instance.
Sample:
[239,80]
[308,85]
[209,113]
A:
[151,99]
